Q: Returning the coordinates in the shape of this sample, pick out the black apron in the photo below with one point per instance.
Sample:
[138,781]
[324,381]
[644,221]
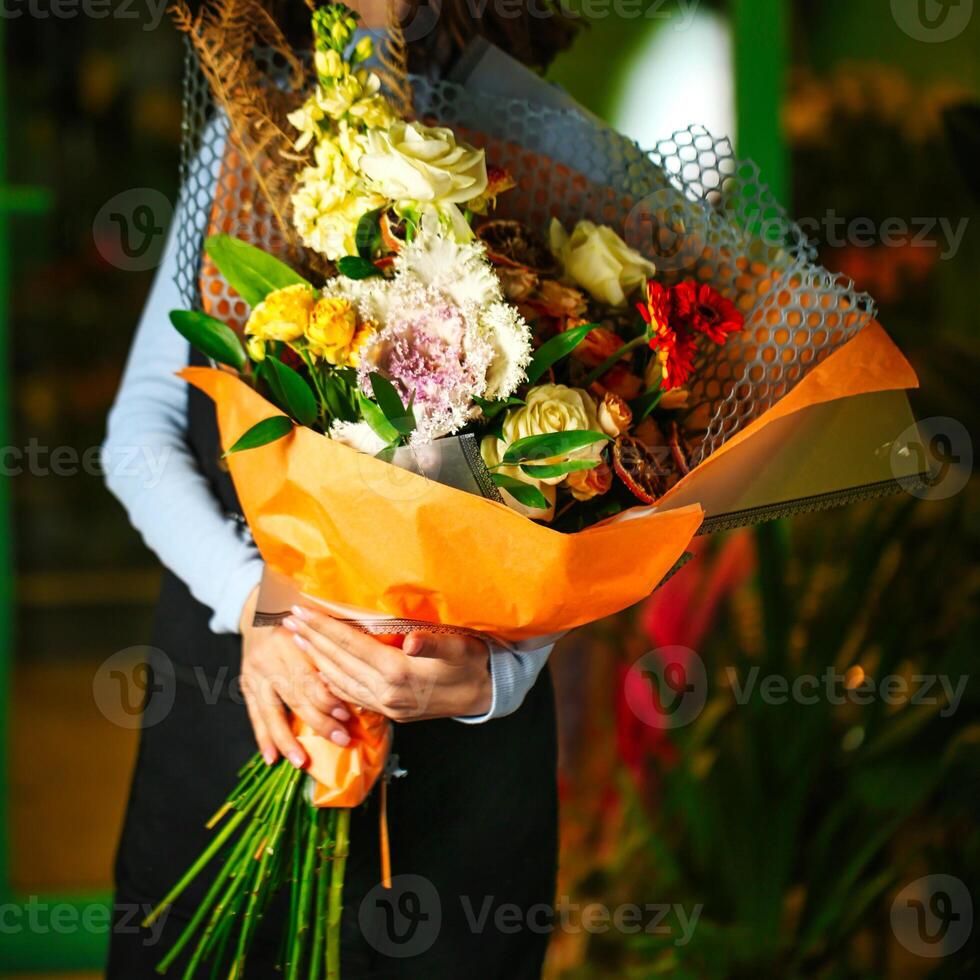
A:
[473,825]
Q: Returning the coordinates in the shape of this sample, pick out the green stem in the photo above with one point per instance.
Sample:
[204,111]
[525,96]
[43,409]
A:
[231,865]
[322,890]
[318,385]
[237,883]
[223,935]
[298,939]
[297,867]
[629,346]
[335,902]
[195,869]
[256,902]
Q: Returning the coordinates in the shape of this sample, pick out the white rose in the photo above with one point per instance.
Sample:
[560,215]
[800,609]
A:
[598,260]
[412,162]
[554,408]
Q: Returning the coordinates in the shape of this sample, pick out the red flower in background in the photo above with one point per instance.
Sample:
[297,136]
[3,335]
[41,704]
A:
[675,619]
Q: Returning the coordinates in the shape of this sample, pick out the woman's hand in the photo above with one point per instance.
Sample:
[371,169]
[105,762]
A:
[442,676]
[276,676]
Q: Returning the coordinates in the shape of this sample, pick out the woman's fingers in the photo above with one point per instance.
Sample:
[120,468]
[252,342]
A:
[273,713]
[306,696]
[365,671]
[261,731]
[451,647]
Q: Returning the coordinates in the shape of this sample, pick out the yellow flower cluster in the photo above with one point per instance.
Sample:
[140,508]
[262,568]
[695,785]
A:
[323,327]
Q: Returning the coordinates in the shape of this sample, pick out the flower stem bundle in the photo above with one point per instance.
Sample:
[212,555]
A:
[270,839]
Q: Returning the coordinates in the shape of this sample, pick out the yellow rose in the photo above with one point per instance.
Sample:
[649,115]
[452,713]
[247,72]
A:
[333,334]
[282,315]
[412,162]
[554,408]
[598,260]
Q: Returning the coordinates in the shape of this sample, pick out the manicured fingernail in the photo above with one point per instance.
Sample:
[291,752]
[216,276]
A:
[270,756]
[341,714]
[300,642]
[301,613]
[340,737]
[297,759]
[290,623]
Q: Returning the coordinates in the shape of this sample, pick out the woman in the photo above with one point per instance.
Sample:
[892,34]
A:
[473,824]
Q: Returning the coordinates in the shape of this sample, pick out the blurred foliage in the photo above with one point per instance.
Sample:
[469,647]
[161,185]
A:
[793,825]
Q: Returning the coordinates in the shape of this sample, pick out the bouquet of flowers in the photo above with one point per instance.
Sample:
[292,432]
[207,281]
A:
[435,382]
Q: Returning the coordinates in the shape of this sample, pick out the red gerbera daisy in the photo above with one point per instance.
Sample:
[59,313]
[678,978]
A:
[655,309]
[702,309]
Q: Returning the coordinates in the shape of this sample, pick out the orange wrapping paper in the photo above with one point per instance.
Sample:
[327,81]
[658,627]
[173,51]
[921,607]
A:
[351,529]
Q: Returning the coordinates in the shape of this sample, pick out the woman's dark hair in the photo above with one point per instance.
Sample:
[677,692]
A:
[533,31]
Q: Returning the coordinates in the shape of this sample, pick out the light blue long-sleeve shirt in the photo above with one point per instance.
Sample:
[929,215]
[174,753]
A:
[151,470]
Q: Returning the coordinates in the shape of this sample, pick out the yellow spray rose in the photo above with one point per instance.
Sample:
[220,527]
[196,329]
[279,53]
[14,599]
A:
[412,162]
[333,334]
[282,315]
[553,408]
[598,260]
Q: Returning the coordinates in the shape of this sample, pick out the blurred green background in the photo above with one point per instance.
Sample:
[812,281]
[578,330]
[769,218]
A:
[760,839]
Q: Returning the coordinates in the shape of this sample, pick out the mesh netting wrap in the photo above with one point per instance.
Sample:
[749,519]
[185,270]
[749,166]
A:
[689,205]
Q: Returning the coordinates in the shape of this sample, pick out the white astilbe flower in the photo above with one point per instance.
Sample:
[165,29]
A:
[357,435]
[510,337]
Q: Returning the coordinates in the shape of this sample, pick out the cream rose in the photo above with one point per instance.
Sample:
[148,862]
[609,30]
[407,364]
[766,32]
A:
[491,449]
[554,408]
[598,260]
[412,162]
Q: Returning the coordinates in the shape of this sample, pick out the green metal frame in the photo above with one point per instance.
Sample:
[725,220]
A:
[761,42]
[56,949]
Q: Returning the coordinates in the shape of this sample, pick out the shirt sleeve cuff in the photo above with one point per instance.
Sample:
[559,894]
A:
[512,675]
[228,612]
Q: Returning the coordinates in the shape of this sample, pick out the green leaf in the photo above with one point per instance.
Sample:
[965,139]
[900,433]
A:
[211,337]
[251,272]
[646,403]
[262,433]
[390,403]
[337,396]
[491,409]
[368,234]
[376,419]
[522,492]
[551,444]
[299,399]
[555,349]
[547,470]
[354,267]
